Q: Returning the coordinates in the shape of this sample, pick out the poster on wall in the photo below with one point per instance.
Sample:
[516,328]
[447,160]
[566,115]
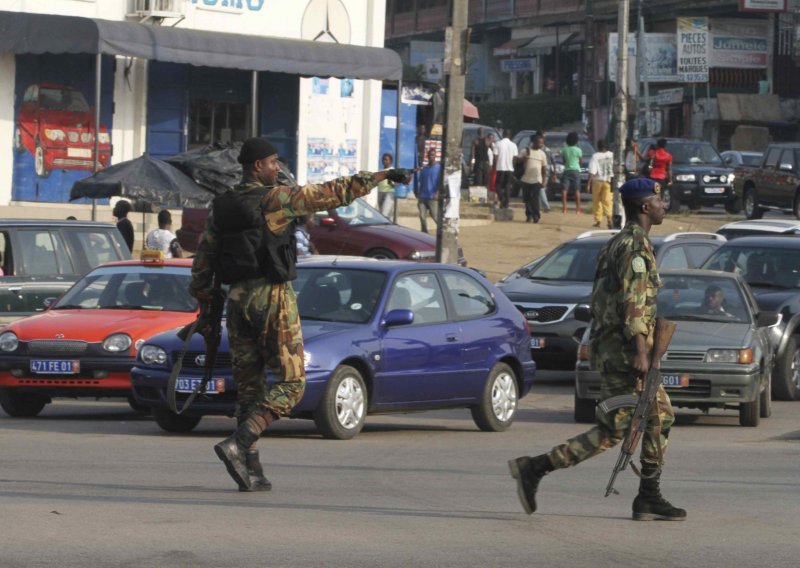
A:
[738,43]
[693,50]
[662,57]
[54,125]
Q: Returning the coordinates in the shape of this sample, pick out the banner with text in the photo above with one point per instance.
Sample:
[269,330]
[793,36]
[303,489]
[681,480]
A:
[738,43]
[693,50]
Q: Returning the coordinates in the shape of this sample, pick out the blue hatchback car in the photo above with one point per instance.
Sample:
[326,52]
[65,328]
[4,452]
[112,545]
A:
[380,336]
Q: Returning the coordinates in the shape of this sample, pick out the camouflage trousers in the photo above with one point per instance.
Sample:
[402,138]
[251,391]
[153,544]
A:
[612,427]
[264,329]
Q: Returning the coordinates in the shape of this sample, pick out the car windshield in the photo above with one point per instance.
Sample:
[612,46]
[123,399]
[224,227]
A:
[359,213]
[62,99]
[161,288]
[340,295]
[760,267]
[569,262]
[702,298]
[694,153]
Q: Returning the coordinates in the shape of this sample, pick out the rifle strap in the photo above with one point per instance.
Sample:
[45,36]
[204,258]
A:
[172,383]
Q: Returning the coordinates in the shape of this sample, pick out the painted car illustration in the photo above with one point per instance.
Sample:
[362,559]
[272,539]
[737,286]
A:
[56,125]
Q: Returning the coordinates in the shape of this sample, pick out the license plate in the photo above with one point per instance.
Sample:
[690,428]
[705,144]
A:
[55,366]
[213,386]
[537,342]
[715,190]
[79,153]
[675,380]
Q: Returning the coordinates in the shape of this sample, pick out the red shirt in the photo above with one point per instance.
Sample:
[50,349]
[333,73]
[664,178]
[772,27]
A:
[658,169]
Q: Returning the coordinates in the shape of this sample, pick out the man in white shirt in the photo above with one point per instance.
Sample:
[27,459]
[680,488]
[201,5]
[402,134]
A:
[163,238]
[506,151]
[601,170]
[533,178]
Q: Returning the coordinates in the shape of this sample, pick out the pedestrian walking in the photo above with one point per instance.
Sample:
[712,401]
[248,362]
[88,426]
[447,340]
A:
[505,151]
[623,320]
[601,171]
[533,178]
[428,190]
[386,189]
[124,225]
[571,153]
[163,238]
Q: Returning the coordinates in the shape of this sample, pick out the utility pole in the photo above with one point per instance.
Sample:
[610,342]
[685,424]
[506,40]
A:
[643,118]
[621,105]
[455,68]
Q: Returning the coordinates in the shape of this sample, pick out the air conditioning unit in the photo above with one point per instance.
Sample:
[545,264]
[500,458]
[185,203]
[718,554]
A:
[147,9]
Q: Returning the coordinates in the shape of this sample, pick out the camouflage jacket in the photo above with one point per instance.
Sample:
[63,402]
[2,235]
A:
[623,297]
[281,206]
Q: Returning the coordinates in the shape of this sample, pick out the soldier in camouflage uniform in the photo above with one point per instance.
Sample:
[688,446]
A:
[623,320]
[249,243]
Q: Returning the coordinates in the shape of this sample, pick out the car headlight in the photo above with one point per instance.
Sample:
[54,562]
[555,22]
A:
[152,355]
[54,134]
[685,177]
[86,137]
[422,254]
[103,138]
[73,136]
[117,342]
[731,177]
[723,178]
[9,341]
[306,358]
[741,356]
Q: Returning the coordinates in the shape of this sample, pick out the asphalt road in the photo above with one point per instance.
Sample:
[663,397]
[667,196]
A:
[91,484]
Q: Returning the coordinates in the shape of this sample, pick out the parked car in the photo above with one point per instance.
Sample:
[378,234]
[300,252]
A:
[42,258]
[56,125]
[775,184]
[84,345]
[699,175]
[380,336]
[718,357]
[735,158]
[760,227]
[771,266]
[563,280]
[556,141]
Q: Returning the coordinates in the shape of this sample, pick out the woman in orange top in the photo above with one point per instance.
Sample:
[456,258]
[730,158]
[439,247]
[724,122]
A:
[660,163]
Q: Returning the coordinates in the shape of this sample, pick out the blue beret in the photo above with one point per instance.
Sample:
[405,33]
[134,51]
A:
[639,187]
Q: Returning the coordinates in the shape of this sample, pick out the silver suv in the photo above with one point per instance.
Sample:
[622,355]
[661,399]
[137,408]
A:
[548,292]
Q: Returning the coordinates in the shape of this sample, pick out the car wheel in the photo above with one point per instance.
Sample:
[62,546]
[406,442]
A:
[750,412]
[787,372]
[39,163]
[585,409]
[751,208]
[20,149]
[381,253]
[343,408]
[171,422]
[734,205]
[796,205]
[766,400]
[671,203]
[499,400]
[693,206]
[21,405]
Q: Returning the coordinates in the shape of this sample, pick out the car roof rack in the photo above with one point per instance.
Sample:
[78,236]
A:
[695,235]
[598,233]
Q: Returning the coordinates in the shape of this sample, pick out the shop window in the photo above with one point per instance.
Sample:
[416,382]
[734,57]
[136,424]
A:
[403,6]
[212,121]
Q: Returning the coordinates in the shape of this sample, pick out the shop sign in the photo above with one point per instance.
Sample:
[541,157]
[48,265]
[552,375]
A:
[509,65]
[669,96]
[740,43]
[762,5]
[692,50]
[234,6]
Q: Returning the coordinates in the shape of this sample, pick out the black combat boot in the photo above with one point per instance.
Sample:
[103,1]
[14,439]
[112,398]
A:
[529,472]
[233,453]
[257,479]
[649,505]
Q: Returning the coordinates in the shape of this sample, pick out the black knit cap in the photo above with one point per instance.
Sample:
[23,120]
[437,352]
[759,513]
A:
[255,149]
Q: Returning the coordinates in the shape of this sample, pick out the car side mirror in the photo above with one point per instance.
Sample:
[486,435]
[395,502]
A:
[397,317]
[768,319]
[583,313]
[49,302]
[329,222]
[786,167]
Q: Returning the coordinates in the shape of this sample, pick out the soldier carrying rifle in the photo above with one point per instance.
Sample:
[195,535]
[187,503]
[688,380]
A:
[623,321]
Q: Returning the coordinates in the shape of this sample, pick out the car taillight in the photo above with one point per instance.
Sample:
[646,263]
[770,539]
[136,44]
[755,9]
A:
[583,352]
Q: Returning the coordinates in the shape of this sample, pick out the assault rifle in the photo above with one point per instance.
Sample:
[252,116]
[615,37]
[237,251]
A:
[209,325]
[643,403]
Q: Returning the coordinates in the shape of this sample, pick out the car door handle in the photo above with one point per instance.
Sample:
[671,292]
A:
[452,338]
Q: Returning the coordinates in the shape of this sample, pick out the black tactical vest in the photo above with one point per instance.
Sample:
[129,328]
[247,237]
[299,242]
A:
[247,248]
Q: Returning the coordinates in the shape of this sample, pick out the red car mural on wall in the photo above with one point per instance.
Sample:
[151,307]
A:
[56,125]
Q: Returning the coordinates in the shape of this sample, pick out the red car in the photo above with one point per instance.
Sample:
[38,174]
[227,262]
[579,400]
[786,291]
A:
[85,344]
[56,125]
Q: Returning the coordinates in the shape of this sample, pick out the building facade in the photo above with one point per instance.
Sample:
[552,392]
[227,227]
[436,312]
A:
[184,90]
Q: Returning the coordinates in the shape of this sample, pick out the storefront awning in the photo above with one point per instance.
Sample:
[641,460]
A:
[470,110]
[45,33]
[510,47]
[541,43]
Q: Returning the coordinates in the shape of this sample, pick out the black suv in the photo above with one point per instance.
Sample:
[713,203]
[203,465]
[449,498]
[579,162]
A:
[771,266]
[699,175]
[548,292]
[42,258]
